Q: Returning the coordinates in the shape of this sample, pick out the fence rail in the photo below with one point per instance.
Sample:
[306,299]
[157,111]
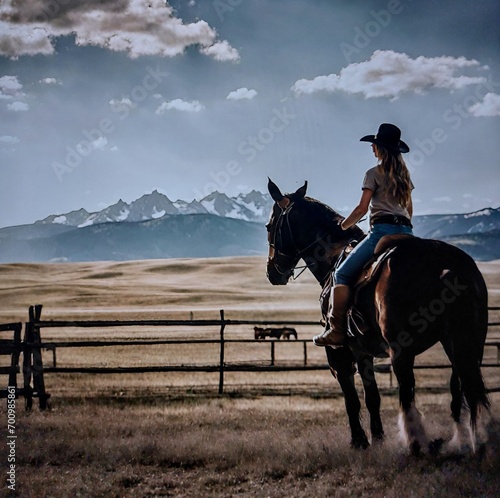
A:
[33,369]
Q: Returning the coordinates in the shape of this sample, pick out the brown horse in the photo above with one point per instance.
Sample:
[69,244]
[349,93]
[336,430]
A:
[421,293]
[275,332]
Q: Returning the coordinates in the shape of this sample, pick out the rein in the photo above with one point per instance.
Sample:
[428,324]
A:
[279,223]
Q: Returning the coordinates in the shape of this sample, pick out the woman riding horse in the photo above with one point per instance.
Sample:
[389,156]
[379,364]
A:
[420,292]
[387,192]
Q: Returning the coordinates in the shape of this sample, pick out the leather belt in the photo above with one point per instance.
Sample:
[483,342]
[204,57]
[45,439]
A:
[390,219]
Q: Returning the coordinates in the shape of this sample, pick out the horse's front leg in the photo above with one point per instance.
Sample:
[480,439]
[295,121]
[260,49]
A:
[372,396]
[342,368]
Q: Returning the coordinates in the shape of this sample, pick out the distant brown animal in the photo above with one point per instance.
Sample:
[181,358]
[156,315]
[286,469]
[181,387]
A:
[276,333]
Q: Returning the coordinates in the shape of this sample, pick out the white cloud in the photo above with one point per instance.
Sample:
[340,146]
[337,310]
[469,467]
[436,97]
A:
[490,106]
[391,74]
[50,81]
[180,105]
[123,102]
[26,39]
[18,107]
[242,93]
[222,51]
[445,198]
[9,139]
[10,87]
[137,27]
[98,144]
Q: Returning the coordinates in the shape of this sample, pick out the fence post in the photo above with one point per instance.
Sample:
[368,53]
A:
[34,353]
[27,371]
[305,353]
[12,348]
[16,350]
[272,352]
[221,367]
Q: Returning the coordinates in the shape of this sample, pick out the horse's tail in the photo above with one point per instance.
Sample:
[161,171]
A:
[467,330]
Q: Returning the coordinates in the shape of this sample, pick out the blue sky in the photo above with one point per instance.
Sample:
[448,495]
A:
[107,100]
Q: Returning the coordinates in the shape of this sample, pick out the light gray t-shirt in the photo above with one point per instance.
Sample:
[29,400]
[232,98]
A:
[382,202]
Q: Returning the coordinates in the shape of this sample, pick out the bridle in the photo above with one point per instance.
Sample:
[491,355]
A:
[293,259]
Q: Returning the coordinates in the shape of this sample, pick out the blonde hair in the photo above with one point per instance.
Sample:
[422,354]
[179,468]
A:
[396,174]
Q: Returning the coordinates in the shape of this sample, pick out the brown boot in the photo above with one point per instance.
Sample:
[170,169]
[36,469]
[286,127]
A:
[335,335]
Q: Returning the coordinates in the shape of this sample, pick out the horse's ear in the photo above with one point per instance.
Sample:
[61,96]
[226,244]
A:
[274,190]
[301,192]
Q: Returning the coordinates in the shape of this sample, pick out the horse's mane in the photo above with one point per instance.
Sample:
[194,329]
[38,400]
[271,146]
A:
[322,209]
[328,218]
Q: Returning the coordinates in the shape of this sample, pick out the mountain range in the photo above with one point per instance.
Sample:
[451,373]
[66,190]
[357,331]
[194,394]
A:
[477,233]
[155,227]
[253,206]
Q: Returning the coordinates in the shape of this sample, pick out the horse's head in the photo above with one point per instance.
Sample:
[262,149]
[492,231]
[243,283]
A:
[302,228]
[283,253]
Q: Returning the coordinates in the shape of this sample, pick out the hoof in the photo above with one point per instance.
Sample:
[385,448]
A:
[481,452]
[377,429]
[415,449]
[360,443]
[435,446]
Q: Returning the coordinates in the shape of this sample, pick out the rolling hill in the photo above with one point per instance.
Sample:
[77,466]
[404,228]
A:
[171,236]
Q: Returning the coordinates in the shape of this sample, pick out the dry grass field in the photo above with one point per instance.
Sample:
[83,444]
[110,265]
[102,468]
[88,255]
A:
[153,435]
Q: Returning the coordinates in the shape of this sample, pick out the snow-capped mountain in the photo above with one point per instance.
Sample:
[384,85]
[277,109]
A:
[73,218]
[253,206]
[184,207]
[257,203]
[436,226]
[150,207]
[116,212]
[221,205]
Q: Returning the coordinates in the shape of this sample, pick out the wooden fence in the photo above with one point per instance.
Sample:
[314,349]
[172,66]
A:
[32,366]
[33,369]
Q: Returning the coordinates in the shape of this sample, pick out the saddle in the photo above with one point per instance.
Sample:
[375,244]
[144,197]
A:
[361,331]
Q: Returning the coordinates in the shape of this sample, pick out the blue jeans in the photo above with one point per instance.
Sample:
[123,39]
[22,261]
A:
[347,272]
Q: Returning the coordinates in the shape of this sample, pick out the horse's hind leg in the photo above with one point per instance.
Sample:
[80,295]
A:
[410,419]
[462,439]
[460,436]
[372,397]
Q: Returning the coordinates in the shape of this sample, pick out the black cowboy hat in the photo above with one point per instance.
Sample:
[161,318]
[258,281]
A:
[388,136]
